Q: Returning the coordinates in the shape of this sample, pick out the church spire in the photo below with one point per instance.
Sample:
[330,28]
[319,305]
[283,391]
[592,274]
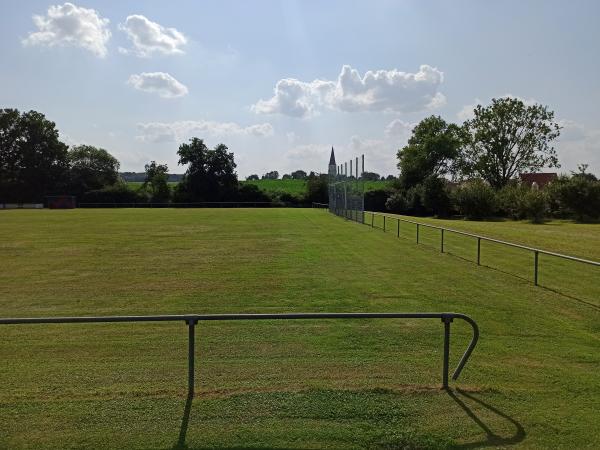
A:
[332,158]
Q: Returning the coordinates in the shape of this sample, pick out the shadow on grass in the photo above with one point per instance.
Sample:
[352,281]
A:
[492,439]
[185,421]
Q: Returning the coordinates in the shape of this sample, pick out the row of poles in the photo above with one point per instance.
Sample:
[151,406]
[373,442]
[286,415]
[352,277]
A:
[342,169]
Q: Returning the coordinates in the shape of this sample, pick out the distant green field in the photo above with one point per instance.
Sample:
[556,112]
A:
[298,187]
[138,184]
[532,382]
[293,187]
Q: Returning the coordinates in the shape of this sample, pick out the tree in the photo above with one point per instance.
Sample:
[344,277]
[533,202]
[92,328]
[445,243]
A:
[370,176]
[286,176]
[157,177]
[507,138]
[578,196]
[299,175]
[273,175]
[317,188]
[91,168]
[431,151]
[33,161]
[210,175]
[251,177]
[582,173]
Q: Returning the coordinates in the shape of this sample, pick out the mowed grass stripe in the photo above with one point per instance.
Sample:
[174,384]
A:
[328,384]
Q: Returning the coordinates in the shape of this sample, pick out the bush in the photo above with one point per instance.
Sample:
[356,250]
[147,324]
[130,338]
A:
[376,199]
[289,199]
[397,202]
[251,193]
[117,193]
[509,200]
[434,196]
[428,198]
[534,205]
[317,189]
[475,200]
[578,196]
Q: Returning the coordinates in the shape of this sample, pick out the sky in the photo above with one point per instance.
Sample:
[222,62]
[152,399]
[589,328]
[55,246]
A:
[281,82]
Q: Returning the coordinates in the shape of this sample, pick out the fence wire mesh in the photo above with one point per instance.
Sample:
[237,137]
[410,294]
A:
[347,189]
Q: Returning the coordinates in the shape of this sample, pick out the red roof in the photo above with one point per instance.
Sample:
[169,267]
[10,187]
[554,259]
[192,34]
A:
[541,179]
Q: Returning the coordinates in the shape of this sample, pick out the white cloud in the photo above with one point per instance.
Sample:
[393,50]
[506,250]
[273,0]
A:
[381,90]
[466,112]
[578,145]
[399,129]
[160,83]
[150,37]
[182,130]
[71,25]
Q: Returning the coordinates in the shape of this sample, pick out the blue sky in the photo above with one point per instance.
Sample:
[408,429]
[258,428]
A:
[138,78]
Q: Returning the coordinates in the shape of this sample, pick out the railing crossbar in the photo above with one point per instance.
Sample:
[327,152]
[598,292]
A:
[498,241]
[192,320]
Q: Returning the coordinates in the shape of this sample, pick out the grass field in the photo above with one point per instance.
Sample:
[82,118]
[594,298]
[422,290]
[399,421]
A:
[574,279]
[533,379]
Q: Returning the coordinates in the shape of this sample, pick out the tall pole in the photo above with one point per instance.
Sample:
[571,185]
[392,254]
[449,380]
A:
[363,189]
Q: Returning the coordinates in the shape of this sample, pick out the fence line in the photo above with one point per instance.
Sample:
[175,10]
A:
[536,251]
[192,320]
[184,205]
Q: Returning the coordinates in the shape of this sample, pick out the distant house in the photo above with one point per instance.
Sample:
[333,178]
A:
[540,179]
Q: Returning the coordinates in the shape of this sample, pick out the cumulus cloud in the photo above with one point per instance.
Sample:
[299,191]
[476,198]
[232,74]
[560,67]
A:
[149,37]
[160,83]
[398,128]
[71,25]
[381,90]
[182,130]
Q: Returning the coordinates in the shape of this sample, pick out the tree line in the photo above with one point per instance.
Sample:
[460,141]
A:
[472,169]
[302,175]
[34,163]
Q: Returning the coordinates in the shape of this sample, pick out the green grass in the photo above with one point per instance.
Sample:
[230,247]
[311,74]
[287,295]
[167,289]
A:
[137,185]
[296,188]
[533,379]
[562,236]
[570,278]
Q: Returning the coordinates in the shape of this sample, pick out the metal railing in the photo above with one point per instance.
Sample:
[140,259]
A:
[536,251]
[320,205]
[192,320]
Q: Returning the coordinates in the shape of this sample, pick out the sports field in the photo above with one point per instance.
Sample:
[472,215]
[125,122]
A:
[532,381]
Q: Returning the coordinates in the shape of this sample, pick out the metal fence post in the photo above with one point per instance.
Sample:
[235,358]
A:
[446,321]
[535,267]
[191,341]
[384,224]
[417,233]
[442,242]
[372,219]
[478,251]
[398,231]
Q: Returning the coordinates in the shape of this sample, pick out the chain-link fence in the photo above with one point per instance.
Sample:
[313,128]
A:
[347,189]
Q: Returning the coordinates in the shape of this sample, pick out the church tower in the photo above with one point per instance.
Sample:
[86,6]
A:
[332,165]
[332,179]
